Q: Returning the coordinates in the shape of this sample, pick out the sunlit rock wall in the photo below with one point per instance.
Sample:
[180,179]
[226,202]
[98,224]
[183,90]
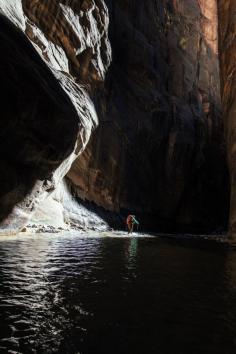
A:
[227,47]
[52,54]
[159,149]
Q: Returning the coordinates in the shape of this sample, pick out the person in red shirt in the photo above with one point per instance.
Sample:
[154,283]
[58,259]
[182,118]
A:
[131,221]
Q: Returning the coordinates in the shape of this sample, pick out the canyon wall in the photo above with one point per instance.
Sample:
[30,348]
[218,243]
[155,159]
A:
[227,49]
[159,149]
[49,51]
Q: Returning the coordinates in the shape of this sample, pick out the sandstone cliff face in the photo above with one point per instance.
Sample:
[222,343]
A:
[48,49]
[227,40]
[159,149]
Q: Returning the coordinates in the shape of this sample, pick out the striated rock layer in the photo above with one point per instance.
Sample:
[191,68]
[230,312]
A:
[48,50]
[159,149]
[227,40]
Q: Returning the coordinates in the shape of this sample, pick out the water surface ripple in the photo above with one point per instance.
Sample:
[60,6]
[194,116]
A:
[72,294]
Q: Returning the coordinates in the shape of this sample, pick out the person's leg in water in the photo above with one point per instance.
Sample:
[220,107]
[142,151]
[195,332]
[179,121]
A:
[130,227]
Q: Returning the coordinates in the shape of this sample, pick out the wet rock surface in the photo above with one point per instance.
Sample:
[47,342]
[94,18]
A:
[159,149]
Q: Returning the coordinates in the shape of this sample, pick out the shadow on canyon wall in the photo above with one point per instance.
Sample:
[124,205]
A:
[159,150]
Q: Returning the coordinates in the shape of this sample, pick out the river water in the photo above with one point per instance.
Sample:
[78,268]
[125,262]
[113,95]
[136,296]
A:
[74,294]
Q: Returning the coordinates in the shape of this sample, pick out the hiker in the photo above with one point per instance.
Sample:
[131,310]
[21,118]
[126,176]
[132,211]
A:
[131,221]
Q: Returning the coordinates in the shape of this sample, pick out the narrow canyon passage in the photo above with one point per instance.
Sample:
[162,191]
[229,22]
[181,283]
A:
[116,112]
[159,149]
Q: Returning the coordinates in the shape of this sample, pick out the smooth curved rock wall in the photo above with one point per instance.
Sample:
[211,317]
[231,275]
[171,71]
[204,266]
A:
[49,49]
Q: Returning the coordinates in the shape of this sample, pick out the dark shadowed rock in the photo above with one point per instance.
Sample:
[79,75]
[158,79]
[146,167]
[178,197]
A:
[159,149]
[227,40]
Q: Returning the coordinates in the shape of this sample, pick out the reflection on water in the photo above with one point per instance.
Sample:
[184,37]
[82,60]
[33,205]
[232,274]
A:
[71,294]
[131,245]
